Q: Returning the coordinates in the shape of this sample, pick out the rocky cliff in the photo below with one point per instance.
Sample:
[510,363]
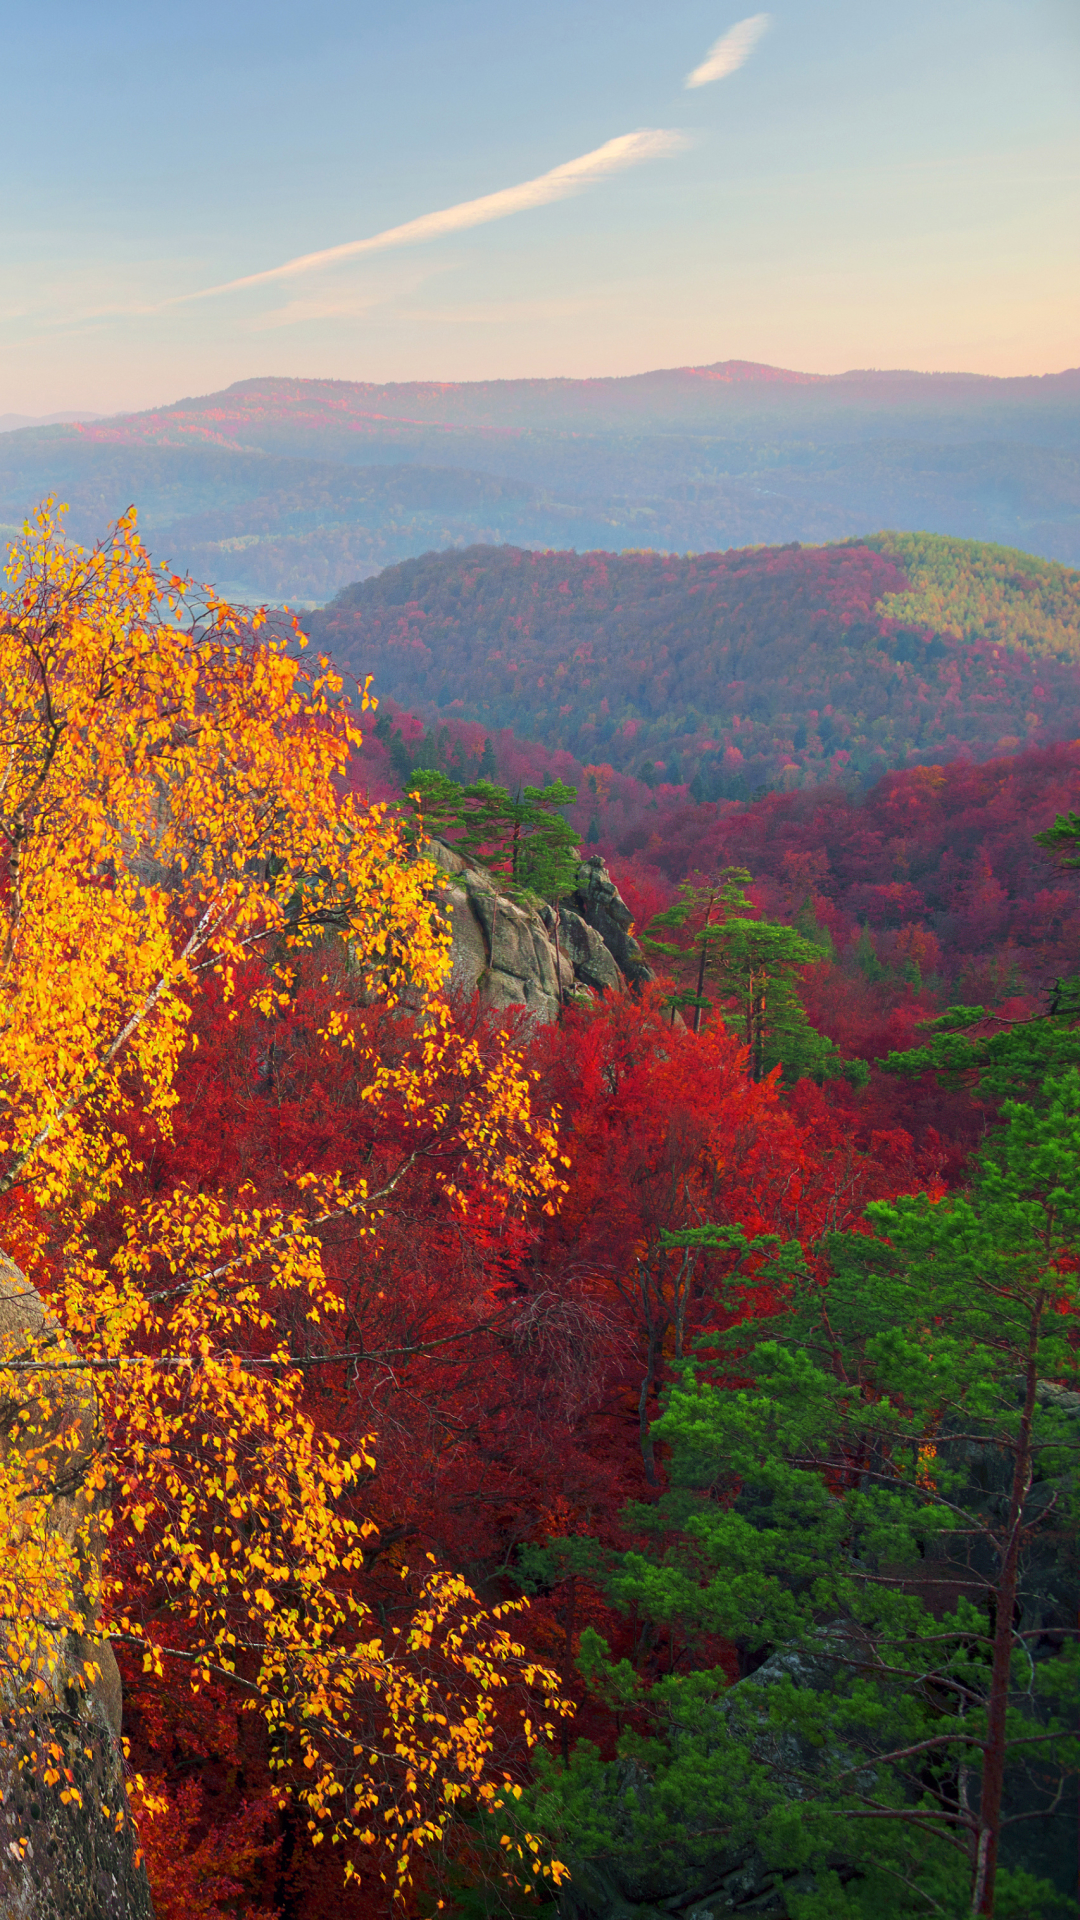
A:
[516,955]
[63,1855]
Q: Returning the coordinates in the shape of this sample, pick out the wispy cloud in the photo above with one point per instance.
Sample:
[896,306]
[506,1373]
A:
[728,53]
[628,150]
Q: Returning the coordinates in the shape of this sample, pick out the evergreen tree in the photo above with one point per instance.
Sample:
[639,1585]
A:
[400,757]
[999,1058]
[487,768]
[874,1496]
[522,838]
[1063,838]
[752,965]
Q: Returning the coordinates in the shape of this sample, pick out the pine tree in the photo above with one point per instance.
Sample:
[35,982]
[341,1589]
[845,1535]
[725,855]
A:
[873,1494]
[752,965]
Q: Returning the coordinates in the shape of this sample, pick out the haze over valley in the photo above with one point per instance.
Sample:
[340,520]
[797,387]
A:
[289,490]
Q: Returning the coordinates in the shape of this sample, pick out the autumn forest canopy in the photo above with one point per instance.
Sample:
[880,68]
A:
[600,1463]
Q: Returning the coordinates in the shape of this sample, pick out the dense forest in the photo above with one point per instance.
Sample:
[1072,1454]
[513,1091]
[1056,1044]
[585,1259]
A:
[730,672]
[511,1444]
[601,1468]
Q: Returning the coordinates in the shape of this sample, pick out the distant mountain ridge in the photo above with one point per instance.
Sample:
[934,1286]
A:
[709,394]
[290,489]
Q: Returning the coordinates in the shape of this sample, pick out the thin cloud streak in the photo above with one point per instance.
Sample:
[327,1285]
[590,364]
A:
[627,150]
[730,52]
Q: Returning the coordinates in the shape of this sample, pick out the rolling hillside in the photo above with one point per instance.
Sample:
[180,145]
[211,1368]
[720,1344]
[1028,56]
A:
[290,489]
[734,671]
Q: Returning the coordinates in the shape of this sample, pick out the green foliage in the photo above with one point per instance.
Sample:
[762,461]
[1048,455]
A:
[1002,1058]
[753,967]
[435,752]
[523,839]
[866,958]
[754,964]
[978,591]
[1063,838]
[847,1483]
[487,768]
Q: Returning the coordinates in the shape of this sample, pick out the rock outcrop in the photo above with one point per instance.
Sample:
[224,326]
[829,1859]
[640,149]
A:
[63,1855]
[597,900]
[516,955]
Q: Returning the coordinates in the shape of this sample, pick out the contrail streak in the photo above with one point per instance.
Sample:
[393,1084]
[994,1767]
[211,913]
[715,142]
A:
[728,53]
[628,150]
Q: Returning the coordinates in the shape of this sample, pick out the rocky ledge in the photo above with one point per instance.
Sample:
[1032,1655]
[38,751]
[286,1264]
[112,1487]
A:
[63,1855]
[520,955]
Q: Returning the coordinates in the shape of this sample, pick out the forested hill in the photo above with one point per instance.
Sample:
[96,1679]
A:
[730,671]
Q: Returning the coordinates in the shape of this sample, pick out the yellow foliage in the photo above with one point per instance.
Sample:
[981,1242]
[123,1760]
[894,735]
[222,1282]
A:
[171,802]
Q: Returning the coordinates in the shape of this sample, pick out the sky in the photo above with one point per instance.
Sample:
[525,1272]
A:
[828,185]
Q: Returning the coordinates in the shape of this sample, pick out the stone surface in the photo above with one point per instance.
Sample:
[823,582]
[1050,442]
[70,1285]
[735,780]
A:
[63,1860]
[602,907]
[515,955]
[77,1864]
[593,963]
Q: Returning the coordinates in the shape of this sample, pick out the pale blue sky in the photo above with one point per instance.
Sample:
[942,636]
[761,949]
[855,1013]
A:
[878,185]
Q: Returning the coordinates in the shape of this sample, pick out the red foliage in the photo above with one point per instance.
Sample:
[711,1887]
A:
[940,862]
[499,1360]
[504,1361]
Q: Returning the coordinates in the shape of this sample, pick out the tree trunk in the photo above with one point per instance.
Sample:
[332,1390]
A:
[568,1660]
[647,1452]
[993,1780]
[558,963]
[756,1025]
[704,937]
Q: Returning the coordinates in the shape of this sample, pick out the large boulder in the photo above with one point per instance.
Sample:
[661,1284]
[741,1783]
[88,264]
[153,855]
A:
[593,962]
[68,1849]
[519,955]
[598,900]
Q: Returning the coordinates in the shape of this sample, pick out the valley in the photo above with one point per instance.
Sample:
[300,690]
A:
[573,1117]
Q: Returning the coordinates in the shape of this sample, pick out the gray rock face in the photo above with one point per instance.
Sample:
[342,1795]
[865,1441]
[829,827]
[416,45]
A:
[66,1861]
[597,899]
[520,956]
[592,962]
[73,1859]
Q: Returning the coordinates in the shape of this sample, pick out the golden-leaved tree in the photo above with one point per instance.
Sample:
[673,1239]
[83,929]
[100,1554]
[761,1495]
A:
[172,802]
